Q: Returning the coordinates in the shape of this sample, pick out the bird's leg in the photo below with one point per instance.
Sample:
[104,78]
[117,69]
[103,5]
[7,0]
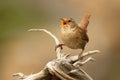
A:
[59,45]
[79,56]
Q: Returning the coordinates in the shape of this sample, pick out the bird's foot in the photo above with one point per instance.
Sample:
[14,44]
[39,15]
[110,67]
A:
[80,55]
[59,45]
[80,58]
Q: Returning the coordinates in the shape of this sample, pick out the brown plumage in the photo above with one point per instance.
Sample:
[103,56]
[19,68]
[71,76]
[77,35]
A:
[73,35]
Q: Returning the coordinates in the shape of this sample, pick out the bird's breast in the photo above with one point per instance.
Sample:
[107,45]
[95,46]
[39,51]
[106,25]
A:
[72,39]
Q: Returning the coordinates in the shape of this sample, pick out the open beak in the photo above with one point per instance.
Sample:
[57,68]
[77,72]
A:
[63,22]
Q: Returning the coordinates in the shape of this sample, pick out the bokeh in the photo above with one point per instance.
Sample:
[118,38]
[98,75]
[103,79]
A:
[28,52]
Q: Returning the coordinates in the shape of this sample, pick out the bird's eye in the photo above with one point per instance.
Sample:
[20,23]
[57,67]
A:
[69,20]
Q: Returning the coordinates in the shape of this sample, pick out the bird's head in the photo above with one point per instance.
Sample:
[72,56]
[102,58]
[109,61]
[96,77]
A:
[67,22]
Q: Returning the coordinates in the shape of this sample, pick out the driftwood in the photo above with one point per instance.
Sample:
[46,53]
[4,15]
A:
[64,67]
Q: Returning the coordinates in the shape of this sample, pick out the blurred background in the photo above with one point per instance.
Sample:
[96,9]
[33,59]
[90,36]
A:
[28,52]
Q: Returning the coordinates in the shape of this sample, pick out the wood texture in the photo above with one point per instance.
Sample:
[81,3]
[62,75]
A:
[64,67]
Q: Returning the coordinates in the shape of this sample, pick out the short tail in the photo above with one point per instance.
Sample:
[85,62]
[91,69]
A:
[85,21]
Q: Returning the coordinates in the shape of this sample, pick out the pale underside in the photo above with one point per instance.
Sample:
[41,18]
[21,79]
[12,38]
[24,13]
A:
[73,38]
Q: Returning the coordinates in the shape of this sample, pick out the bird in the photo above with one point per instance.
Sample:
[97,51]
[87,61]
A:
[74,35]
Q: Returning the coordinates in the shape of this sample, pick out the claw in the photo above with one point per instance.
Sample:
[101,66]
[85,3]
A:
[59,45]
[79,56]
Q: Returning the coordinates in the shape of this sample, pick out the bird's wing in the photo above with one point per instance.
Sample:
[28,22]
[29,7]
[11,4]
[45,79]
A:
[83,35]
[85,21]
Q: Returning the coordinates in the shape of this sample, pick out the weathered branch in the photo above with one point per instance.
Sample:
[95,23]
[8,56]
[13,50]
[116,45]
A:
[58,50]
[65,67]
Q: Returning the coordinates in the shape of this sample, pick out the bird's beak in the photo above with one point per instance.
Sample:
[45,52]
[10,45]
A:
[63,22]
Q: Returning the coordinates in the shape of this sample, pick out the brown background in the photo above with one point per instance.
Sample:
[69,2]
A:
[28,52]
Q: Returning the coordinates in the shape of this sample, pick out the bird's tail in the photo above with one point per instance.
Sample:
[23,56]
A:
[85,21]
